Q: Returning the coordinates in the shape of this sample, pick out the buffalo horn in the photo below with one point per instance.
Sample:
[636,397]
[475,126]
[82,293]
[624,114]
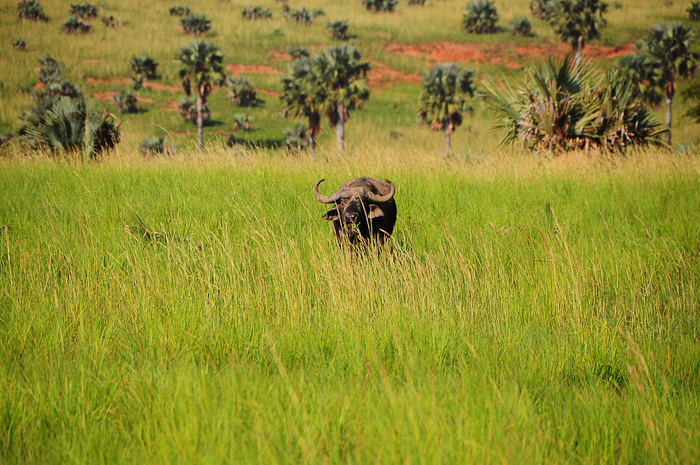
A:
[326,198]
[374,198]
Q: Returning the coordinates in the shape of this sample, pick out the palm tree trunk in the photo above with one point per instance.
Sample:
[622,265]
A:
[447,136]
[311,140]
[669,102]
[578,53]
[340,128]
[200,123]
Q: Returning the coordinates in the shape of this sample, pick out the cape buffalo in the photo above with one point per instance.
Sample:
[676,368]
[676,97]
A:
[364,209]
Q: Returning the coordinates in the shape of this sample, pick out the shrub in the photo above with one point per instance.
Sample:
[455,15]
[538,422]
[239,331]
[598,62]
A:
[302,16]
[556,108]
[83,10]
[144,66]
[195,24]
[71,126]
[75,25]
[256,12]
[52,83]
[694,11]
[338,29]
[153,146]
[380,5]
[298,52]
[19,44]
[31,10]
[109,21]
[240,91]
[481,17]
[520,27]
[187,108]
[416,2]
[180,10]
[296,138]
[242,121]
[126,101]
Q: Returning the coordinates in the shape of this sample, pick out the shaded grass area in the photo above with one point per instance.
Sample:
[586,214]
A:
[196,309]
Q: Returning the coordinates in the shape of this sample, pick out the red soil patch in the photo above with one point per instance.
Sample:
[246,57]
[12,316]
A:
[105,96]
[269,93]
[160,86]
[145,100]
[148,84]
[511,56]
[253,69]
[381,75]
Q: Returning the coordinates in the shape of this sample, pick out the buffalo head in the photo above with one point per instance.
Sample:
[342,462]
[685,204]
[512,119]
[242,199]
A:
[364,210]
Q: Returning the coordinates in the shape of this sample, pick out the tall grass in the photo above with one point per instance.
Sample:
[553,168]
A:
[195,309]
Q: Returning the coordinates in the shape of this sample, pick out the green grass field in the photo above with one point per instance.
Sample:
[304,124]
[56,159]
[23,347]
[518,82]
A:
[195,308]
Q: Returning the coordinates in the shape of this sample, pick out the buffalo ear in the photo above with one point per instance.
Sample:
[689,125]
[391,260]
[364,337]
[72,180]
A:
[375,212]
[332,214]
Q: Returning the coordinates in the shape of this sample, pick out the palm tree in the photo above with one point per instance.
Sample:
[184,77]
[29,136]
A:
[338,85]
[667,45]
[576,21]
[297,100]
[446,90]
[201,68]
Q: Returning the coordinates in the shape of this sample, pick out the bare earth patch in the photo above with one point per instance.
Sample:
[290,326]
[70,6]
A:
[116,82]
[381,75]
[269,93]
[511,56]
[105,96]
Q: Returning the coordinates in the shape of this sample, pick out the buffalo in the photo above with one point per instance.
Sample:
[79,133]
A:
[364,210]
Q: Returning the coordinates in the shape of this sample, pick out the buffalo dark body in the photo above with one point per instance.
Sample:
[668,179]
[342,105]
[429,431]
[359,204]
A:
[364,210]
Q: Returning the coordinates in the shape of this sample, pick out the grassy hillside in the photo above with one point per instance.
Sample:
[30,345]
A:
[400,45]
[197,310]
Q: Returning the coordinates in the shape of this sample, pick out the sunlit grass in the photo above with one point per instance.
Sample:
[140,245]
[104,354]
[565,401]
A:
[196,308]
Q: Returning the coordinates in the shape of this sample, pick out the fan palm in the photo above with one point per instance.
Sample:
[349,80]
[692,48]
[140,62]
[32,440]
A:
[481,17]
[72,125]
[558,108]
[338,85]
[668,45]
[576,21]
[296,98]
[201,67]
[446,90]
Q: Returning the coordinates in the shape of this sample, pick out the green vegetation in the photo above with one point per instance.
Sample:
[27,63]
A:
[201,68]
[75,25]
[83,10]
[380,5]
[195,24]
[576,22]
[180,10]
[31,10]
[126,101]
[694,11]
[240,92]
[481,17]
[19,44]
[520,27]
[447,89]
[562,107]
[338,29]
[256,12]
[667,52]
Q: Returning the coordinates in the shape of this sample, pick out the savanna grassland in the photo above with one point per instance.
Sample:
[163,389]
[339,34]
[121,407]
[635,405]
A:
[194,308]
[197,310]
